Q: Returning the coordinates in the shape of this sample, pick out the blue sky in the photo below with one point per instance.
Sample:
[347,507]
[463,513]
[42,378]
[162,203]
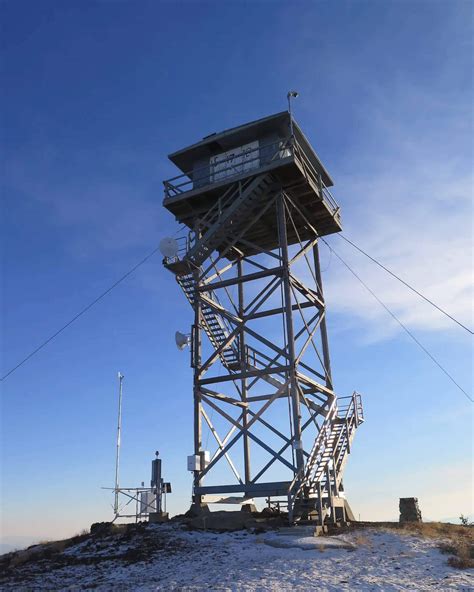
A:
[94,97]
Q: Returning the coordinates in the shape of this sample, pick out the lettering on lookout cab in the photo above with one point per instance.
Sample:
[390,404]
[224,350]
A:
[254,200]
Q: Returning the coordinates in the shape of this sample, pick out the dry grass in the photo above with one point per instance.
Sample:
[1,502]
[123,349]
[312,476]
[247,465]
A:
[433,530]
[438,530]
[461,551]
[457,540]
[461,562]
[43,550]
[360,539]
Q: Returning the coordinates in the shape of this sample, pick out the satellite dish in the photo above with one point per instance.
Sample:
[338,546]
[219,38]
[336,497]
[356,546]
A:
[182,340]
[169,247]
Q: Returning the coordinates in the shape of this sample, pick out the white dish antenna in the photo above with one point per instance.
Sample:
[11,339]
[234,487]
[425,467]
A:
[182,340]
[169,247]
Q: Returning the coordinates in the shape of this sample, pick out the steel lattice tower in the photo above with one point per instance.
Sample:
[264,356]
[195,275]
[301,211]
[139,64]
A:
[256,201]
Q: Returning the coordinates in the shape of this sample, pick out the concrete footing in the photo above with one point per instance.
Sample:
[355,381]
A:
[197,510]
[157,517]
[320,530]
[223,521]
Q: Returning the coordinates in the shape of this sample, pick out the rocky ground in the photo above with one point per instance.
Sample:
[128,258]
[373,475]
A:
[174,557]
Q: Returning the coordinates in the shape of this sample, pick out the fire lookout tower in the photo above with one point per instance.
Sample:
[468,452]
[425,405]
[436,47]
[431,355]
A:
[256,199]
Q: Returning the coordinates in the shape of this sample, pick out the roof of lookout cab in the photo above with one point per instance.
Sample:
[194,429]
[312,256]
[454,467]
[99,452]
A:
[215,143]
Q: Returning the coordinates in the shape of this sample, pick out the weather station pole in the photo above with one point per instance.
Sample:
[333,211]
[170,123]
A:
[117,456]
[293,94]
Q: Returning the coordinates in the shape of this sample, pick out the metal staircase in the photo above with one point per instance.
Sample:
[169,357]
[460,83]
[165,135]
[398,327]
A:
[350,418]
[221,223]
[329,454]
[225,218]
[218,330]
[214,325]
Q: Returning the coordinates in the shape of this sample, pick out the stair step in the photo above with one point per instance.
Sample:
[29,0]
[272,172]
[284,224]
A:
[234,212]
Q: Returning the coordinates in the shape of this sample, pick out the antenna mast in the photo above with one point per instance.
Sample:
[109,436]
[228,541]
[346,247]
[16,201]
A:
[117,456]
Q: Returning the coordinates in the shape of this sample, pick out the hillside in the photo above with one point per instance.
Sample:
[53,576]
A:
[172,557]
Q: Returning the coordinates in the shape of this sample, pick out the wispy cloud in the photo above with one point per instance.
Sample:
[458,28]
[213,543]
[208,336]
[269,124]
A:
[409,204]
[404,183]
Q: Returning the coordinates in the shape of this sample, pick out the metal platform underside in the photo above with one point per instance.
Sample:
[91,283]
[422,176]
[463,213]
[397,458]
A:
[288,174]
[276,489]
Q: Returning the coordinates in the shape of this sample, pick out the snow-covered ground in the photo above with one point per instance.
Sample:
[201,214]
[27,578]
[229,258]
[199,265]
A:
[370,559]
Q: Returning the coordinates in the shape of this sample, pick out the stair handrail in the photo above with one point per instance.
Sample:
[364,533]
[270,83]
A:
[353,416]
[225,327]
[349,414]
[216,209]
[216,224]
[320,439]
[221,320]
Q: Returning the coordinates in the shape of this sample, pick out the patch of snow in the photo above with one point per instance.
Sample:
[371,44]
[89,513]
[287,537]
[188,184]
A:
[306,540]
[380,560]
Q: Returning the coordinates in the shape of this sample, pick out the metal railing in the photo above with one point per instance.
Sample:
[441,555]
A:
[317,451]
[233,166]
[224,200]
[185,243]
[205,175]
[352,412]
[353,407]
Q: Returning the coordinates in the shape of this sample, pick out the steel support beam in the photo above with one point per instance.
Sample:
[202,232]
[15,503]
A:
[196,355]
[243,366]
[290,337]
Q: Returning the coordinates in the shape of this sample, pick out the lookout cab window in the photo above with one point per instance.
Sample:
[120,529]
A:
[235,161]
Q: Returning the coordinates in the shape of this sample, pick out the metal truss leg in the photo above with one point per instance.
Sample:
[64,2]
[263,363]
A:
[196,355]
[287,305]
